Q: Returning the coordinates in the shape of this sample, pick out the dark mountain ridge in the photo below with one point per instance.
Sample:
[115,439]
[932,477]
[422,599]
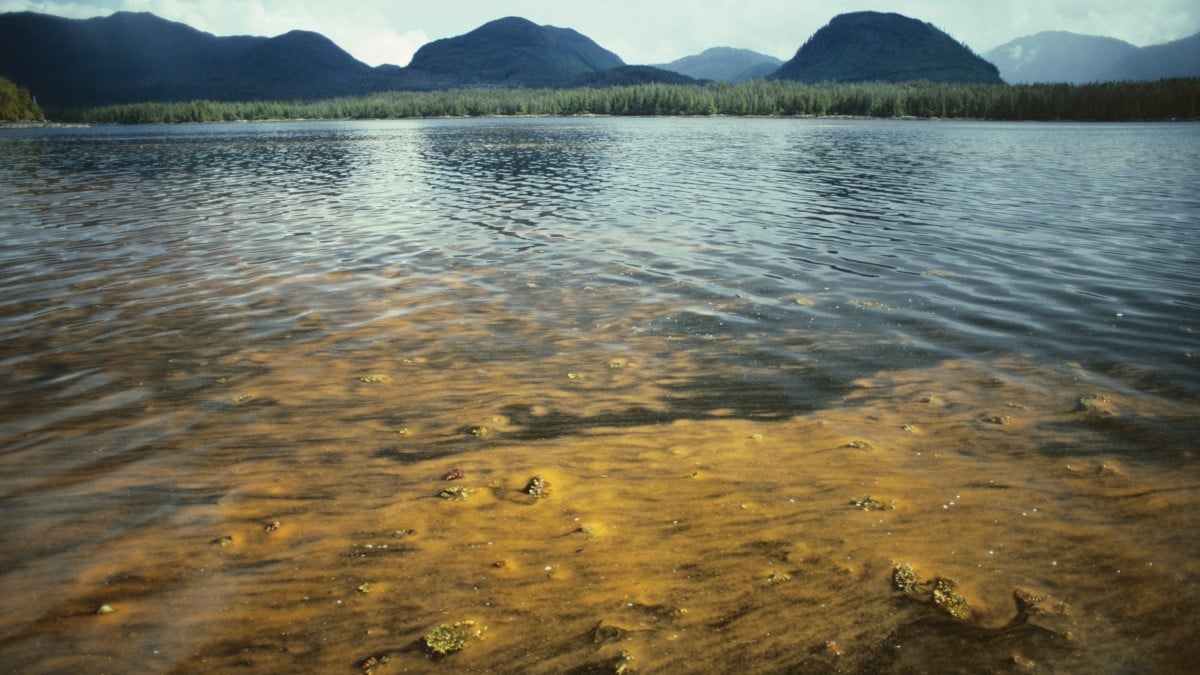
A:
[513,52]
[129,57]
[132,57]
[884,47]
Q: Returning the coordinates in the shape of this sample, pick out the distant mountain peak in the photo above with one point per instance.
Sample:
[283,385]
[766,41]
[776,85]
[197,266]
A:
[884,46]
[1061,56]
[727,64]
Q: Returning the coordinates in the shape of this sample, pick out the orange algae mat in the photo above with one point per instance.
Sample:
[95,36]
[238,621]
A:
[657,548]
[287,512]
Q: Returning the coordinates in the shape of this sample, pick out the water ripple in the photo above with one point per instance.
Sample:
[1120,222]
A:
[1073,241]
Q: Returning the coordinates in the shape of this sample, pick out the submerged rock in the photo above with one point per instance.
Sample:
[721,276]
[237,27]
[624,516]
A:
[1100,404]
[605,633]
[537,487]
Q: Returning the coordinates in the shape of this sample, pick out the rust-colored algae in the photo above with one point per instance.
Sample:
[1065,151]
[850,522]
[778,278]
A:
[308,535]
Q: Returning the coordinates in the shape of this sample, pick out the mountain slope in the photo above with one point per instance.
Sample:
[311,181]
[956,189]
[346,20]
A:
[888,47]
[725,64]
[512,52]
[1058,56]
[129,57]
[1180,58]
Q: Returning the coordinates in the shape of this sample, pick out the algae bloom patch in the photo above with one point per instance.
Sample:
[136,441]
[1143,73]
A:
[449,638]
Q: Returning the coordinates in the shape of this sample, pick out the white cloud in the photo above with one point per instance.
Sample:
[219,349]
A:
[71,10]
[379,47]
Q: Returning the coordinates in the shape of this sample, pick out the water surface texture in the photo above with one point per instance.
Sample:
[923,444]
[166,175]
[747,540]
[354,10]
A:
[802,396]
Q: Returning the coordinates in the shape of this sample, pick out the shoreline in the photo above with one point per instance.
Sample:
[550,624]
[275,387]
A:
[29,124]
[843,118]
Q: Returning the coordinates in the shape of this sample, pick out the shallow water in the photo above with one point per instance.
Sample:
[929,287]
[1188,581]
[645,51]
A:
[238,359]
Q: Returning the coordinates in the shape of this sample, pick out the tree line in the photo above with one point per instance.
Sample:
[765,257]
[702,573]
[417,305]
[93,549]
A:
[1109,101]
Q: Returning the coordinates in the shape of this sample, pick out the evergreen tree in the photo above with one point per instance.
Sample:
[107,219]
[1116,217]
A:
[16,103]
[1110,101]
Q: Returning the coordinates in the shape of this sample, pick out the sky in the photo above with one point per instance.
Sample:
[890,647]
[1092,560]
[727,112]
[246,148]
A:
[644,31]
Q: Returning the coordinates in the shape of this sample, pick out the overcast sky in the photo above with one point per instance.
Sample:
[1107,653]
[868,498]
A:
[645,31]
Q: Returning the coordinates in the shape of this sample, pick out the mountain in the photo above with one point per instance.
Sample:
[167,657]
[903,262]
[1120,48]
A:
[1058,56]
[1180,58]
[511,52]
[132,57]
[128,57]
[725,64]
[888,47]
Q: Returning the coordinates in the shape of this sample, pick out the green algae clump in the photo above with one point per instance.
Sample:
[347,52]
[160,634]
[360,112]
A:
[456,493]
[946,596]
[869,503]
[905,579]
[450,638]
[942,591]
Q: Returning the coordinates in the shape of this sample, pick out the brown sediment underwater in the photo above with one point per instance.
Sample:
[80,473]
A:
[281,508]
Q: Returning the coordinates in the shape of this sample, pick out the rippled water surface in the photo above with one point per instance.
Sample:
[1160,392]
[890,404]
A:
[762,365]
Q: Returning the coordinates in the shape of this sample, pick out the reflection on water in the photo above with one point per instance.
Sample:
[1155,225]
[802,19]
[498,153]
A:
[760,364]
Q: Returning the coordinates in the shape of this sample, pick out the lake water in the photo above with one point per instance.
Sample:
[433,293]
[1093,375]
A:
[760,364]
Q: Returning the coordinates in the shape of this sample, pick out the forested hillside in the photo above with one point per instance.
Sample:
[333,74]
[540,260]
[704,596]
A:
[131,57]
[879,47]
[512,52]
[16,104]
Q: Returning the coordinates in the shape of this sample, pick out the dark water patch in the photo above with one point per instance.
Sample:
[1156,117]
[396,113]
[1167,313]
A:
[950,646]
